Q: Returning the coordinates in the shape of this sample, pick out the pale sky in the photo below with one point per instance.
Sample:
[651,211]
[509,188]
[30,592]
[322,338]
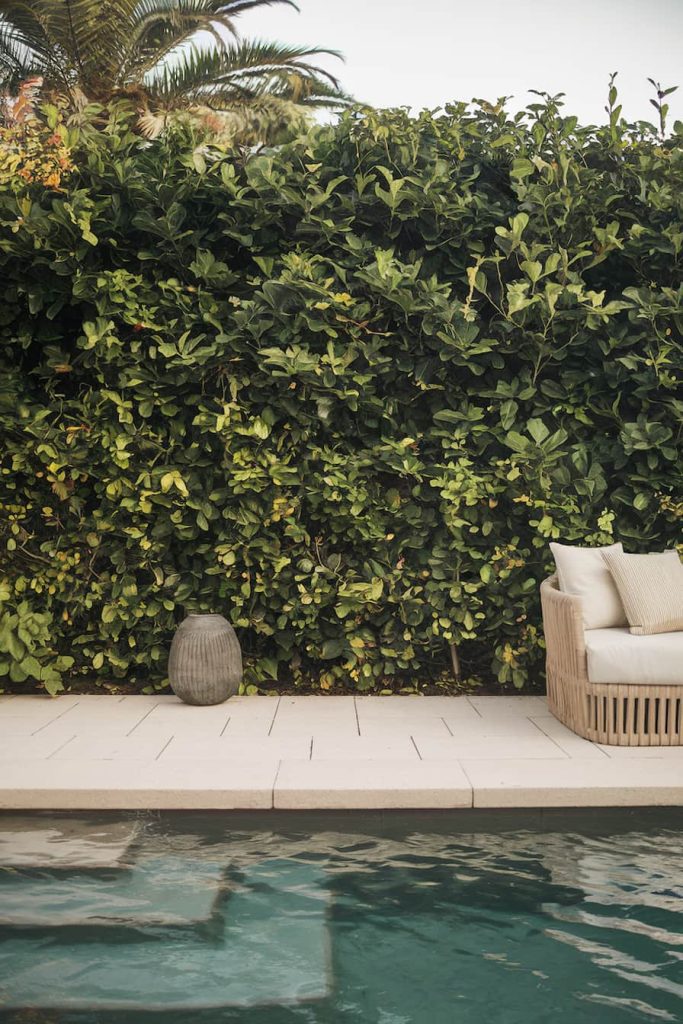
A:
[426,53]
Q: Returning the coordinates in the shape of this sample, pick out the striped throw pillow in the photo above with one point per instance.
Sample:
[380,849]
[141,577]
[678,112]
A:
[651,589]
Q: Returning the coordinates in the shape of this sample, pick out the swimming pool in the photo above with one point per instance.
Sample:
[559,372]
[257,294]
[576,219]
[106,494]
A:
[389,918]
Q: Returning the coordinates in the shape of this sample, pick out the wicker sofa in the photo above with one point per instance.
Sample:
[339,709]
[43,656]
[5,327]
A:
[628,713]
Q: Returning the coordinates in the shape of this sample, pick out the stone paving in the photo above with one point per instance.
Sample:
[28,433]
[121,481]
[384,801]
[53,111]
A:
[110,752]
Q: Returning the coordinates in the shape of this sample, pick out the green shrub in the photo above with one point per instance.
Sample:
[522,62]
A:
[345,392]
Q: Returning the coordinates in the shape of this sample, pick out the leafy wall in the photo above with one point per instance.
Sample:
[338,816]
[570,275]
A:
[344,392]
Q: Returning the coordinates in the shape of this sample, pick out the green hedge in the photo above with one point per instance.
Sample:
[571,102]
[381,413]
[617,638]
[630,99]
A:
[344,392]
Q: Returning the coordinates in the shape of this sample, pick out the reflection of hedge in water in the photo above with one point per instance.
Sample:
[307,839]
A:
[344,393]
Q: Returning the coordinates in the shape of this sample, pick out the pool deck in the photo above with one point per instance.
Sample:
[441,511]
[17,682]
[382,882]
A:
[303,753]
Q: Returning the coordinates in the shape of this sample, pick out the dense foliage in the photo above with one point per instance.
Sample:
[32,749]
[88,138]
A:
[344,392]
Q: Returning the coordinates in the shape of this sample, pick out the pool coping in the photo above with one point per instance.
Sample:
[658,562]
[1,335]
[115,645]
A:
[315,753]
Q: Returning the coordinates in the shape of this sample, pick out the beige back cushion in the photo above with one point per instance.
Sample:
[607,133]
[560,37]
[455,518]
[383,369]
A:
[584,573]
[651,588]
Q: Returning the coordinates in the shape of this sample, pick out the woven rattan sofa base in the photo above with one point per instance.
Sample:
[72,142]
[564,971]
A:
[626,715]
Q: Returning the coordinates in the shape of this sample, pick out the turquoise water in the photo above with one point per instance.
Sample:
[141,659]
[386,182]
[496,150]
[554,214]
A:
[373,918]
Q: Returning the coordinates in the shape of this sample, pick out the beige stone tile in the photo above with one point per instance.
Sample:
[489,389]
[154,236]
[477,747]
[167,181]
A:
[234,784]
[573,782]
[35,704]
[315,704]
[577,746]
[150,699]
[106,700]
[487,747]
[573,745]
[324,732]
[390,729]
[19,726]
[256,706]
[257,730]
[508,706]
[214,720]
[330,717]
[23,718]
[171,785]
[112,748]
[179,719]
[514,727]
[130,708]
[197,732]
[116,704]
[253,707]
[28,748]
[252,721]
[331,710]
[228,748]
[218,723]
[104,727]
[412,708]
[371,784]
[361,748]
[672,754]
[110,713]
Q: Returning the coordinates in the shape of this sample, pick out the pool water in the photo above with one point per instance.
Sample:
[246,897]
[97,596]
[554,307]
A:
[375,918]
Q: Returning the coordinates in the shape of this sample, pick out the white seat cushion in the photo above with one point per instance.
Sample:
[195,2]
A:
[617,656]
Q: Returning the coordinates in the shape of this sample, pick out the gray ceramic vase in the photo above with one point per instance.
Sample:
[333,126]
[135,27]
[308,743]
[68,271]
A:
[205,663]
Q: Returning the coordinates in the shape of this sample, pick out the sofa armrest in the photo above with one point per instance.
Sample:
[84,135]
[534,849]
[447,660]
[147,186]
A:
[563,627]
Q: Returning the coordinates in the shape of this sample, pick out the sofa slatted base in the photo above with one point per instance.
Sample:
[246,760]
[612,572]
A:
[621,714]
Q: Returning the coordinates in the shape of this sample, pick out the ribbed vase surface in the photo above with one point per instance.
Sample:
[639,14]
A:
[205,663]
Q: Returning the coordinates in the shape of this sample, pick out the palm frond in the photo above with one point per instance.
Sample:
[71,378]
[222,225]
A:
[157,40]
[164,23]
[24,48]
[231,8]
[19,28]
[17,62]
[161,27]
[311,91]
[149,51]
[201,75]
[70,39]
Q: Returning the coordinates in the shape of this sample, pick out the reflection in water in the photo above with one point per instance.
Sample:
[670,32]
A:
[420,923]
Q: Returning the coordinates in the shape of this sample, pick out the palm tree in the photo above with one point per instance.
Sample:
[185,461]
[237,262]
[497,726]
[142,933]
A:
[164,56]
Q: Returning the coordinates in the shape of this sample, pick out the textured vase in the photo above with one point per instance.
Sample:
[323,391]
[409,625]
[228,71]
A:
[205,663]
